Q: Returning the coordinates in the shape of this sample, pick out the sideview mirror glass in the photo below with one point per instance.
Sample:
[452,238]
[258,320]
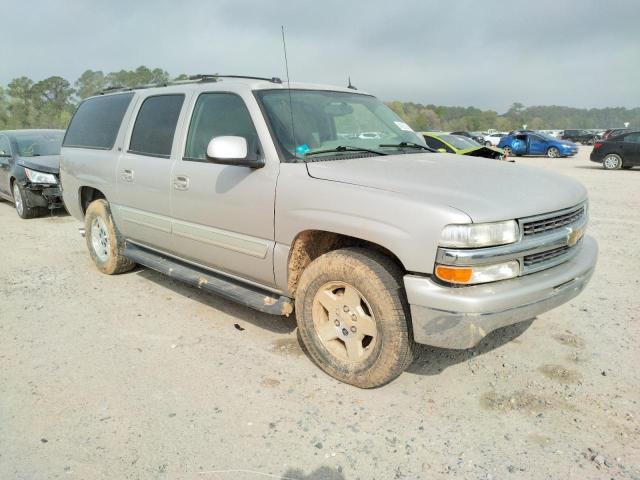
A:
[231,150]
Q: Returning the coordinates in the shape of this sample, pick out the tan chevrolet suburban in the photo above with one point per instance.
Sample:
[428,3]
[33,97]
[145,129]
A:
[321,200]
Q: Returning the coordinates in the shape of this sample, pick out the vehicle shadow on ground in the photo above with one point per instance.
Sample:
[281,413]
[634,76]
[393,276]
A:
[599,167]
[273,323]
[433,360]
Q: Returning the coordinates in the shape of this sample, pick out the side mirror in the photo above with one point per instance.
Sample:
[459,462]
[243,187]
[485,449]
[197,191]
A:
[442,150]
[230,150]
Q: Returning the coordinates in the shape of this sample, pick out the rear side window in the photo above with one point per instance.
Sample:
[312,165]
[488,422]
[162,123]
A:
[216,115]
[156,125]
[97,121]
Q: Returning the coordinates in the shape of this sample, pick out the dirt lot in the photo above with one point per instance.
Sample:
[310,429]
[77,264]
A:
[137,376]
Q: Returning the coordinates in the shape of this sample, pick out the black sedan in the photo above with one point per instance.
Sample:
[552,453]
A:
[477,136]
[582,136]
[621,151]
[30,170]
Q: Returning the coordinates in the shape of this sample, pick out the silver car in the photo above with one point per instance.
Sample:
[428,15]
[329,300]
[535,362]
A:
[275,196]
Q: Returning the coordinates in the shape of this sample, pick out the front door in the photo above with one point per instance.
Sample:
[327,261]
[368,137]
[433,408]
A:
[537,145]
[144,172]
[631,149]
[223,214]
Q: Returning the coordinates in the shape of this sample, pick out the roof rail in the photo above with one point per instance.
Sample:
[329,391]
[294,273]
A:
[202,77]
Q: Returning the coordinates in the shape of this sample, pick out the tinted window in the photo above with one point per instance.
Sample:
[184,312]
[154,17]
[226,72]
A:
[632,137]
[216,115]
[5,148]
[97,121]
[435,143]
[155,126]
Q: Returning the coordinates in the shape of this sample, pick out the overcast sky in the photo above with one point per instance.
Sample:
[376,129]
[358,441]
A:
[489,54]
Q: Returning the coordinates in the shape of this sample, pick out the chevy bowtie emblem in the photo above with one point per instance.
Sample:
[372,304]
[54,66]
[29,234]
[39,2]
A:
[573,235]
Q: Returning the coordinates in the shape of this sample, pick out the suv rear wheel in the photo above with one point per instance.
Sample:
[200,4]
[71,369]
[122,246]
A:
[353,317]
[105,244]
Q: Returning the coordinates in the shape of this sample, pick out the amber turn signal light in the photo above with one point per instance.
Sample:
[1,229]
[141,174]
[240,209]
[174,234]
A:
[454,274]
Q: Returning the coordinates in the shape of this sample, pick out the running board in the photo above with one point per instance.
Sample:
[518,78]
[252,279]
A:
[248,295]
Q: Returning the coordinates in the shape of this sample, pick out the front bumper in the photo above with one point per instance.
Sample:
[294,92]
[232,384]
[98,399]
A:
[460,317]
[43,195]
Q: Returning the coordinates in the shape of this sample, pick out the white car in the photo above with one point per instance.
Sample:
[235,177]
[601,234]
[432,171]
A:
[493,139]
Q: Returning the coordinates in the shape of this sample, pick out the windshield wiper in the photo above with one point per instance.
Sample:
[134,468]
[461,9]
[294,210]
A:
[345,148]
[407,145]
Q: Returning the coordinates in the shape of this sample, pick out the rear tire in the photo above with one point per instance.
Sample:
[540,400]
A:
[353,317]
[22,209]
[105,244]
[612,162]
[487,144]
[507,151]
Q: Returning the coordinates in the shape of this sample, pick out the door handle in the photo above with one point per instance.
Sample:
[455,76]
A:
[181,182]
[127,175]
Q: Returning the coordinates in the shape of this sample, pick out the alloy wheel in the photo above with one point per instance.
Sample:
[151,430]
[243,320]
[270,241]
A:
[17,198]
[344,322]
[611,162]
[100,239]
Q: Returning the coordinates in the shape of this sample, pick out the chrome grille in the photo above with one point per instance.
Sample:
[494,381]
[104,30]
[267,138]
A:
[542,257]
[541,225]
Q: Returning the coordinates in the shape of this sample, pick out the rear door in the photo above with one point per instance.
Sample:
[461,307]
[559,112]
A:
[144,171]
[224,214]
[631,149]
[5,164]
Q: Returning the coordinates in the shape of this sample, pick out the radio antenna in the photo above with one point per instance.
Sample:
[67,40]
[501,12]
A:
[286,65]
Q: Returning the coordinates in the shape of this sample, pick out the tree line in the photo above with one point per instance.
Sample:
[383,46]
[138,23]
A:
[50,103]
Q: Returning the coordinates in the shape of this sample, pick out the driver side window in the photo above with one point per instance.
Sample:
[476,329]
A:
[5,148]
[217,115]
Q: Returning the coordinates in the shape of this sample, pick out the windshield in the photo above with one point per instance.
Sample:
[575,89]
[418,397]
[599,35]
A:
[324,120]
[459,142]
[37,144]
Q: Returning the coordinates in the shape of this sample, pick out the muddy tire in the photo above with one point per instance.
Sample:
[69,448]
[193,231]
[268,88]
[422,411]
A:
[105,244]
[20,202]
[353,317]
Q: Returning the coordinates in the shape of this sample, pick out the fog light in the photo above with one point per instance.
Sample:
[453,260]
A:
[479,273]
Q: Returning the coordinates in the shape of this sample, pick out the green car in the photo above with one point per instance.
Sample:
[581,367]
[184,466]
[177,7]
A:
[446,142]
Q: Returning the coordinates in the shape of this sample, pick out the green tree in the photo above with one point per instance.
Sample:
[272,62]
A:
[90,83]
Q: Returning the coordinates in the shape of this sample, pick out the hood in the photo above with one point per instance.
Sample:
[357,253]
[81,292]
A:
[44,163]
[485,189]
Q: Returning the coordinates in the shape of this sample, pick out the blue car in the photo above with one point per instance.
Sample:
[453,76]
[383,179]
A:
[535,143]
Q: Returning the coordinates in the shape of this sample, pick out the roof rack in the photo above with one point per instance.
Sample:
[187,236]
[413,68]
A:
[202,77]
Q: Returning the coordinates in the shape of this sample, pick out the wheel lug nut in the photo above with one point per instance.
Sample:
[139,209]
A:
[353,317]
[337,322]
[345,332]
[353,329]
[345,308]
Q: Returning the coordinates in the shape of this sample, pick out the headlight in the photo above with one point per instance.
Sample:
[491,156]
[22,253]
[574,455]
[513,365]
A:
[479,273]
[473,235]
[40,177]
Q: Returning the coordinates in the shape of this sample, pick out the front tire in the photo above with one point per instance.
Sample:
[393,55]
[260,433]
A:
[553,152]
[353,317]
[612,162]
[487,144]
[507,151]
[22,209]
[105,244]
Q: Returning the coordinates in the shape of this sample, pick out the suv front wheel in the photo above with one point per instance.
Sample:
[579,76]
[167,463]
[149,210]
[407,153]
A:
[353,317]
[105,244]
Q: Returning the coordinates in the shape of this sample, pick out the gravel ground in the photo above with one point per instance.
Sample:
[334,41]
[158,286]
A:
[138,376]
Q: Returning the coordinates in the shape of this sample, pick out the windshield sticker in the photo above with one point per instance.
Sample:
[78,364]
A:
[404,126]
[302,149]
